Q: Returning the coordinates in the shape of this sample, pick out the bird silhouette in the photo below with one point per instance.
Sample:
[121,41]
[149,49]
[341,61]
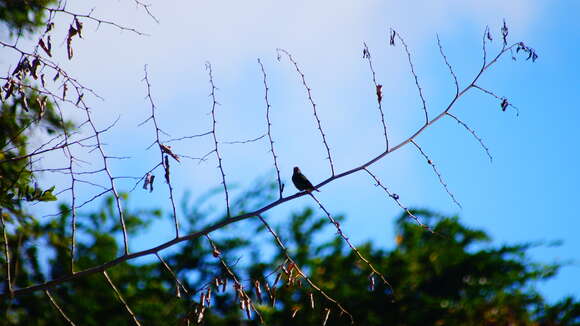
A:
[301,182]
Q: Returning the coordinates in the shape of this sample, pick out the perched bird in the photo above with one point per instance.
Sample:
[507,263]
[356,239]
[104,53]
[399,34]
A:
[300,181]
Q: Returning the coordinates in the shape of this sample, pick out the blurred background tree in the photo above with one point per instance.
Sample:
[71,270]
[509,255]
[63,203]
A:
[451,277]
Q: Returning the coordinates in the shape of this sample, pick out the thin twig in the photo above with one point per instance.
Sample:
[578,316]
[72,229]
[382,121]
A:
[70,322]
[172,273]
[379,92]
[162,150]
[309,92]
[395,197]
[7,255]
[448,66]
[268,106]
[352,247]
[441,181]
[216,148]
[310,282]
[121,299]
[485,148]
[397,35]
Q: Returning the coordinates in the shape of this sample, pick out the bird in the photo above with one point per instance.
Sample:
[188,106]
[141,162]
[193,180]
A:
[301,182]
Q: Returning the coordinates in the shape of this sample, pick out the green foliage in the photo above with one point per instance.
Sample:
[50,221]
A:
[451,277]
[23,15]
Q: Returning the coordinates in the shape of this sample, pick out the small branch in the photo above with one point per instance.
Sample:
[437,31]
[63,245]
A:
[396,34]
[244,141]
[474,135]
[395,197]
[121,299]
[172,274]
[309,92]
[379,92]
[441,181]
[163,149]
[310,282]
[70,322]
[147,10]
[216,149]
[448,65]
[268,106]
[353,248]
[504,102]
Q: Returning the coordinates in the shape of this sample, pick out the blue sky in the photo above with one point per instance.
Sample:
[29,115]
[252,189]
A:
[528,193]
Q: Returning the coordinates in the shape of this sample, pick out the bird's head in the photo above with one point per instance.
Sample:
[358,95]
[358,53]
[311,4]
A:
[296,169]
